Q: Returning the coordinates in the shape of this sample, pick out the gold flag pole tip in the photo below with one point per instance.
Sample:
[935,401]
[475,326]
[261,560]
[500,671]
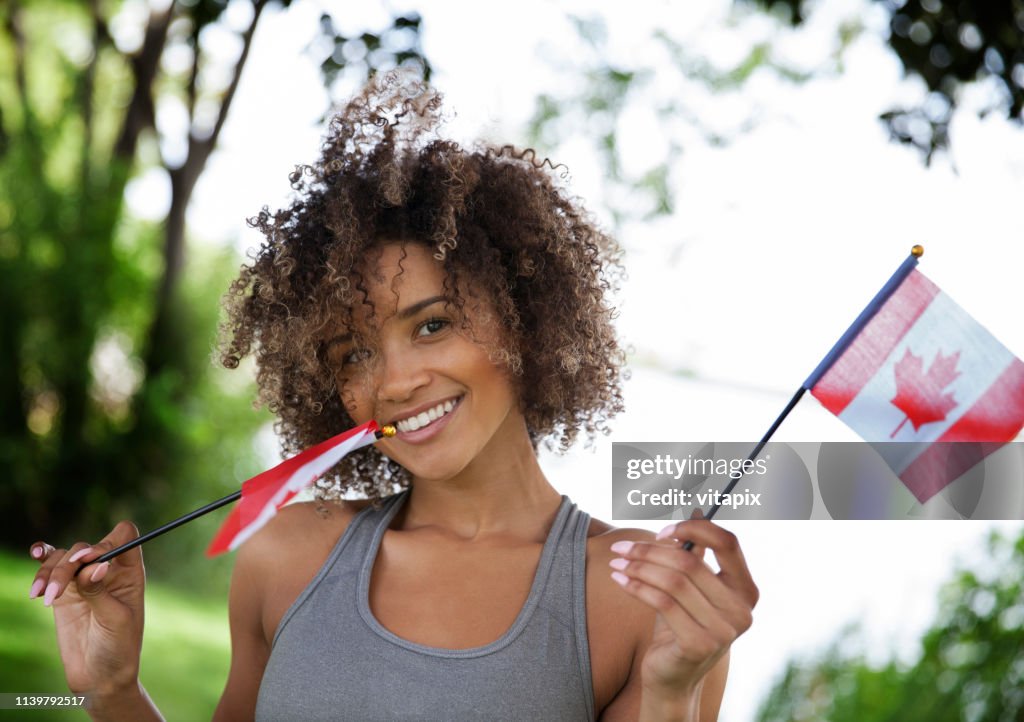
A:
[917,250]
[387,431]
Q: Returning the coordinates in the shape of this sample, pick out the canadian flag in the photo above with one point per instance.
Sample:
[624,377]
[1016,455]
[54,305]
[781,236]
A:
[265,493]
[922,370]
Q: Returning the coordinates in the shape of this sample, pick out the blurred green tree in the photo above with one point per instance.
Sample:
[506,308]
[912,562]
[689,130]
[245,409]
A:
[948,44]
[970,669]
[109,405]
[661,92]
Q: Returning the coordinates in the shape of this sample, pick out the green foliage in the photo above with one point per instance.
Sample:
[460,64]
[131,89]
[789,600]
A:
[187,646]
[110,404]
[948,44]
[665,85]
[86,436]
[361,55]
[970,669]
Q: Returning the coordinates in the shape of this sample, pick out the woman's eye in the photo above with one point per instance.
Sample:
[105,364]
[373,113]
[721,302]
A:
[432,326]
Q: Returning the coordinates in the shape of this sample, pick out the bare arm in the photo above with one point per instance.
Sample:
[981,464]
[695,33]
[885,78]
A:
[282,550]
[249,648]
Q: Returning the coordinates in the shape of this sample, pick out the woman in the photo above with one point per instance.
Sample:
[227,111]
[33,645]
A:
[461,296]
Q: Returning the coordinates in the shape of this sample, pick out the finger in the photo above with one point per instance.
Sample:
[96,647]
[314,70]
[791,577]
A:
[90,583]
[42,575]
[724,544]
[698,513]
[88,574]
[59,571]
[690,582]
[694,637]
[75,564]
[683,561]
[124,532]
[40,550]
[674,583]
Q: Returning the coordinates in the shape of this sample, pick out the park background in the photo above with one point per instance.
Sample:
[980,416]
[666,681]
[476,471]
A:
[765,167]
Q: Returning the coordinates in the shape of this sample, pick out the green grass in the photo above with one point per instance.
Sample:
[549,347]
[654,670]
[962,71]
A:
[185,654]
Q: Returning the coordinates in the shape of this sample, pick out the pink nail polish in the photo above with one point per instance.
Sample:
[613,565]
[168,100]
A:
[37,586]
[622,547]
[620,578]
[51,593]
[79,554]
[667,531]
[100,571]
[618,563]
[37,552]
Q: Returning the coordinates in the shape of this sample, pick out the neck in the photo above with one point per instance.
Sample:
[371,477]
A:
[502,491]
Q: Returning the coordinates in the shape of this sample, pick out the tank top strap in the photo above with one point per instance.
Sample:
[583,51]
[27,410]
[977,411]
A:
[346,557]
[564,596]
[568,553]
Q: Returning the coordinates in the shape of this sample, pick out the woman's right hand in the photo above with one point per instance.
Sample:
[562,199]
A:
[98,612]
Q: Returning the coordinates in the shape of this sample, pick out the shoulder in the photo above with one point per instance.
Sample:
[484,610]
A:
[618,625]
[305,530]
[602,535]
[632,615]
[271,569]
[281,559]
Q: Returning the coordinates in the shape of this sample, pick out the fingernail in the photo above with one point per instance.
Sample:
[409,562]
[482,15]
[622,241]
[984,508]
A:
[51,593]
[618,563]
[666,532]
[37,586]
[79,554]
[100,571]
[622,547]
[620,578]
[37,552]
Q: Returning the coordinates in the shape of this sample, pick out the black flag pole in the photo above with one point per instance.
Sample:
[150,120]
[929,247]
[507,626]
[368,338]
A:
[830,358]
[386,431]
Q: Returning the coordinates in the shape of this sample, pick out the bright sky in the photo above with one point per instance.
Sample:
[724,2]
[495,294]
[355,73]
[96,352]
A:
[780,238]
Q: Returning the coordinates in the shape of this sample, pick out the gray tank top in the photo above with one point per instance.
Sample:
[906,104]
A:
[332,660]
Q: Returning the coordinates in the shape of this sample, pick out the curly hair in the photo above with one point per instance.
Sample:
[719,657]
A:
[493,216]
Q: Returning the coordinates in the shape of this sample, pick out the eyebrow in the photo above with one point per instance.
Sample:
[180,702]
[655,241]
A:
[412,310]
[405,313]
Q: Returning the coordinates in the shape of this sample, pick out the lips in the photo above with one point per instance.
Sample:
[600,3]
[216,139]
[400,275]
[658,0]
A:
[426,423]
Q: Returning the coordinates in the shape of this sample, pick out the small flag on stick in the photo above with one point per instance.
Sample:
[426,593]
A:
[265,493]
[917,368]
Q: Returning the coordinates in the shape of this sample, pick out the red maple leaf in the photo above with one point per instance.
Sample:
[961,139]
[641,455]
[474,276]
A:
[918,394]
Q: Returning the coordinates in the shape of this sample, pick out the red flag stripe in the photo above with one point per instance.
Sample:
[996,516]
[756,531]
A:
[865,356]
[263,494]
[940,465]
[995,417]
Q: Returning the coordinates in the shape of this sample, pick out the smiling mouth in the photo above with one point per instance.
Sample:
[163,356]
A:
[426,418]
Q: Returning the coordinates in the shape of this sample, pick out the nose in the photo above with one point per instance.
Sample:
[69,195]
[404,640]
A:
[400,374]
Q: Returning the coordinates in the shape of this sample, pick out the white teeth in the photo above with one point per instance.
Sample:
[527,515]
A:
[426,417]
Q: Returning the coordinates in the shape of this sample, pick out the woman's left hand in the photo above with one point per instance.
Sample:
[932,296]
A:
[700,612]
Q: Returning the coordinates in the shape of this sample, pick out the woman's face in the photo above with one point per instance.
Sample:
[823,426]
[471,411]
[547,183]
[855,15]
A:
[423,373]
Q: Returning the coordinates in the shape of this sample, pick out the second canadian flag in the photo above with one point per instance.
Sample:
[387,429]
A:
[922,370]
